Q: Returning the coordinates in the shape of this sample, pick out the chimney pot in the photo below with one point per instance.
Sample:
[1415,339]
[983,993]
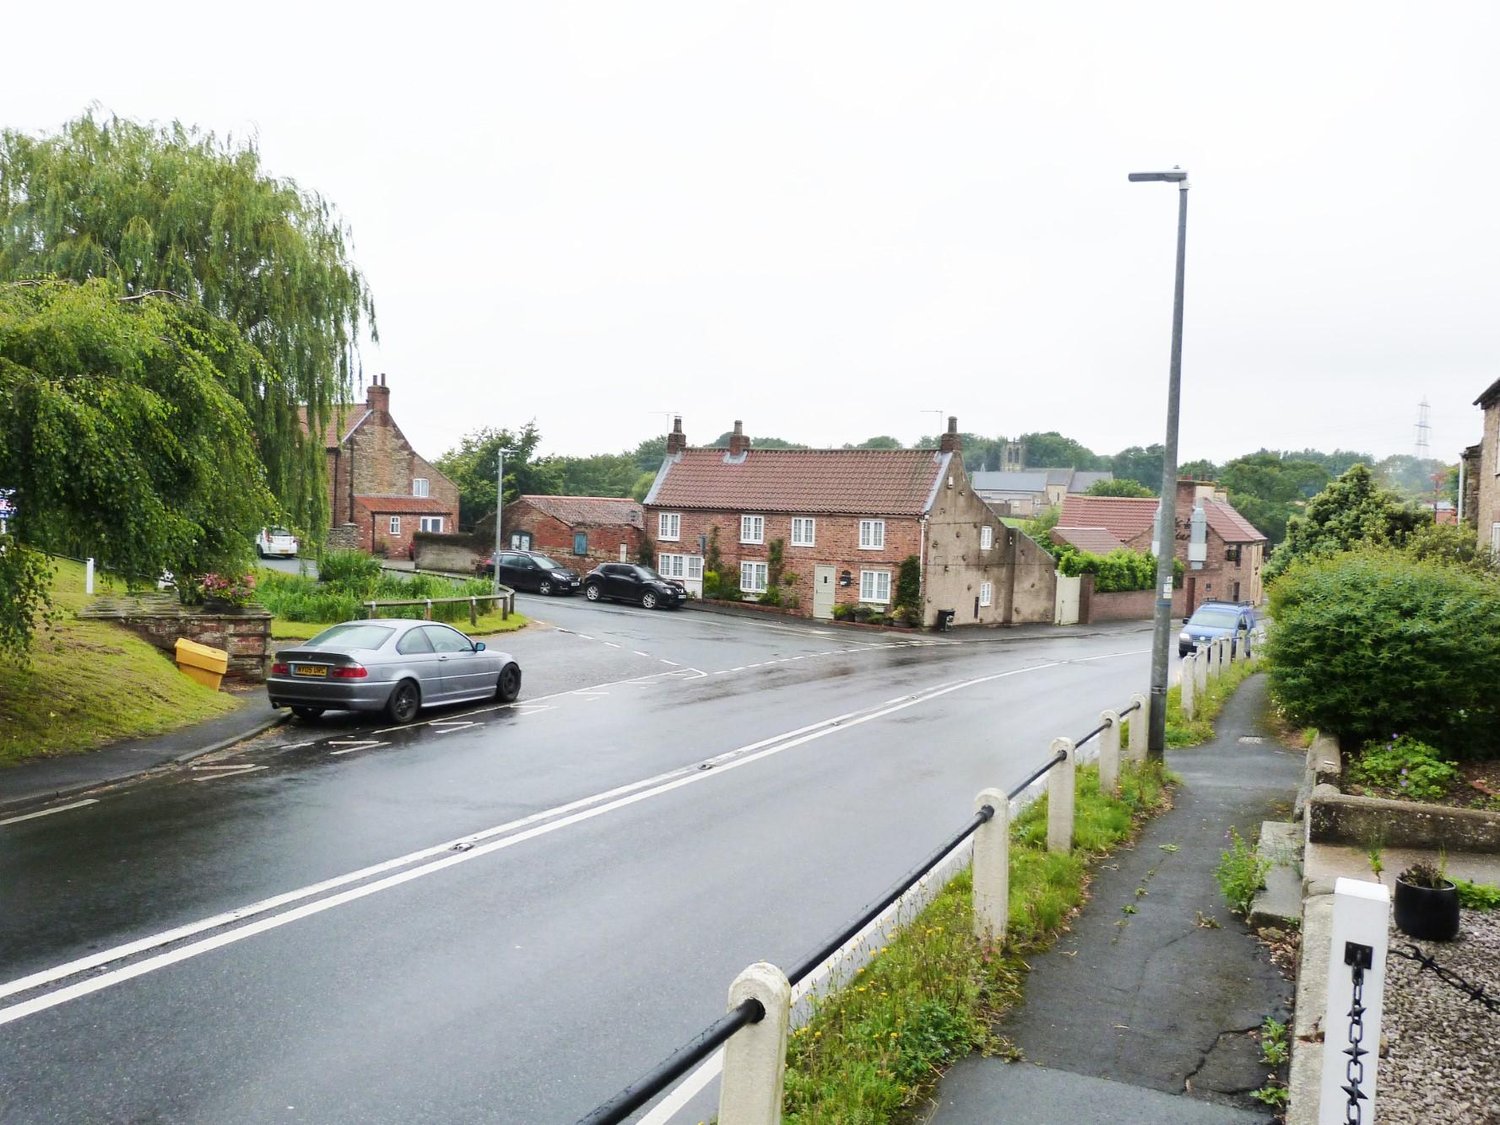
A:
[738,442]
[951,442]
[676,440]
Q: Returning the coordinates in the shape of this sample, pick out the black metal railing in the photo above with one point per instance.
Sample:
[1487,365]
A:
[638,1093]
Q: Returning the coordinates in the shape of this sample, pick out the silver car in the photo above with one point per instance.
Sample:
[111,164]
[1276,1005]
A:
[389,664]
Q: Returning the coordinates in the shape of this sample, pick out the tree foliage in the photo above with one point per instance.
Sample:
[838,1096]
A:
[881,441]
[1139,464]
[25,588]
[1376,642]
[1351,512]
[473,465]
[1131,488]
[1268,488]
[170,208]
[118,431]
[1051,450]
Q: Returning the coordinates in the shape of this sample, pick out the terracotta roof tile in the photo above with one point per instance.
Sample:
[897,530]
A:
[1094,540]
[593,510]
[1230,525]
[877,482]
[1124,517]
[342,419]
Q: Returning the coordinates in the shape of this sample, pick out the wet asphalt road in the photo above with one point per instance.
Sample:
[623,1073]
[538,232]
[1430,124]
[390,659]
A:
[505,914]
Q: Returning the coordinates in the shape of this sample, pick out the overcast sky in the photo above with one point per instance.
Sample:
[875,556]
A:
[836,221]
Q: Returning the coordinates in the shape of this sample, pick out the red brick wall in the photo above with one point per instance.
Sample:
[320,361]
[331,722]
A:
[835,543]
[554,537]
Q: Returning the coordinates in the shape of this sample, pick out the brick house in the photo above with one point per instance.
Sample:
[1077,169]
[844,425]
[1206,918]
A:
[380,491]
[845,520]
[1481,491]
[584,529]
[1234,553]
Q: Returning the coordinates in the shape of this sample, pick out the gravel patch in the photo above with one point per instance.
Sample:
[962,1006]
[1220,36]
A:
[1441,1065]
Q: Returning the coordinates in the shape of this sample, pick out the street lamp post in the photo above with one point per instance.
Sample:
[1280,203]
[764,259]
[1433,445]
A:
[1156,730]
[499,511]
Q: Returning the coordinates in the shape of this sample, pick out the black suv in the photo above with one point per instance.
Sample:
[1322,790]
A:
[527,570]
[628,582]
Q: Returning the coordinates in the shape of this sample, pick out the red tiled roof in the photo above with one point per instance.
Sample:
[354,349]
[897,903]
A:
[401,505]
[1094,540]
[1230,525]
[342,419]
[1124,517]
[875,482]
[593,510]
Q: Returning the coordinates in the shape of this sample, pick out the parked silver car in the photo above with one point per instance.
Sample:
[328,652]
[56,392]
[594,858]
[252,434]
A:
[392,665]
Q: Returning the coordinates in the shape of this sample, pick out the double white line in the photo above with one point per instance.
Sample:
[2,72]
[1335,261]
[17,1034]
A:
[392,873]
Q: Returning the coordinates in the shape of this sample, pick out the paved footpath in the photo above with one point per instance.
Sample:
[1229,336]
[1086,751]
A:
[1146,1016]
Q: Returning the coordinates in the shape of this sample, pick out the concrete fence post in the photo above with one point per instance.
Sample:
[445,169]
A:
[1109,753]
[1189,682]
[992,869]
[473,612]
[755,1055]
[1060,798]
[88,576]
[1138,728]
[1200,670]
[1351,1035]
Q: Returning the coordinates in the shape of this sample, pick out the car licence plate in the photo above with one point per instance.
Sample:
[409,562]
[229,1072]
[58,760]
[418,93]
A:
[310,670]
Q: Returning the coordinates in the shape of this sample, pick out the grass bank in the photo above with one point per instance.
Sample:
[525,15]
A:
[89,683]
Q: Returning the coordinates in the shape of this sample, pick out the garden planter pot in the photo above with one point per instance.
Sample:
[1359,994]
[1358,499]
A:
[1430,913]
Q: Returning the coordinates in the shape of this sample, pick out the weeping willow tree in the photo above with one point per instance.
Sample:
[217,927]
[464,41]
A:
[119,439]
[172,209]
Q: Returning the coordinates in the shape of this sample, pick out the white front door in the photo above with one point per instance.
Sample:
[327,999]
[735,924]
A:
[823,590]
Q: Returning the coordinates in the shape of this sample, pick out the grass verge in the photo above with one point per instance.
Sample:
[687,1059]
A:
[89,683]
[872,1050]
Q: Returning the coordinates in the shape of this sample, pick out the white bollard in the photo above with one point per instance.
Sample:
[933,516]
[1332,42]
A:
[992,869]
[1060,798]
[88,576]
[1200,670]
[1138,728]
[1361,912]
[1189,682]
[1109,753]
[755,1055]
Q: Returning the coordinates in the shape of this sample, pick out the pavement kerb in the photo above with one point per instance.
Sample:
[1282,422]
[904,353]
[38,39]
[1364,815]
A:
[224,743]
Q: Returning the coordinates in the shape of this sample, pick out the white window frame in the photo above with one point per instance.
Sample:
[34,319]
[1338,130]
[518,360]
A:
[669,526]
[986,537]
[986,593]
[804,531]
[752,529]
[752,577]
[872,535]
[433,524]
[695,568]
[681,566]
[872,589]
[1495,537]
[395,525]
[419,486]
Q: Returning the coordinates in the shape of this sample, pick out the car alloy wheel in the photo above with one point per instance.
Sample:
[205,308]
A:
[509,684]
[648,600]
[544,587]
[591,592]
[404,703]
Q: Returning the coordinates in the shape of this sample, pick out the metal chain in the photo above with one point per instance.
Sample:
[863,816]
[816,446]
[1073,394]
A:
[1354,1072]
[1447,976]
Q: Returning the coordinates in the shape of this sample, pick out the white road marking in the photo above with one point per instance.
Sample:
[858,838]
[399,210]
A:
[638,652]
[448,726]
[555,819]
[223,771]
[351,745]
[673,663]
[49,812]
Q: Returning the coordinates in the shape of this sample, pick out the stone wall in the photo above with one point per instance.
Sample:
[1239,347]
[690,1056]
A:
[162,620]
[452,554]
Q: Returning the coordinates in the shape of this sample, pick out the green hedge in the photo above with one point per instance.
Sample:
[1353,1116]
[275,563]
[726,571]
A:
[1373,644]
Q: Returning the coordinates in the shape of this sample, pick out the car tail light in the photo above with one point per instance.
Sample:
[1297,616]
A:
[280,669]
[350,672]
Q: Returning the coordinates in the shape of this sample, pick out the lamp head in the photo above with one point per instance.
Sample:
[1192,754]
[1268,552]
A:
[1175,176]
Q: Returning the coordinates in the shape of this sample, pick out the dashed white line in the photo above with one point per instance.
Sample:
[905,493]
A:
[350,746]
[49,812]
[217,772]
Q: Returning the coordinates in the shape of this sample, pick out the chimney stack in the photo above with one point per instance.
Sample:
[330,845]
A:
[676,440]
[379,395]
[951,442]
[738,442]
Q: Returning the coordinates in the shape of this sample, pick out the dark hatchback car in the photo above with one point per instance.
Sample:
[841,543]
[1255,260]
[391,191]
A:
[629,582]
[529,571]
